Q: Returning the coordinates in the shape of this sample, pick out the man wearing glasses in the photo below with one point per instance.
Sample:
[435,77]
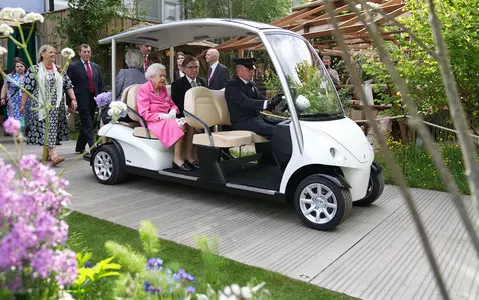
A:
[179,87]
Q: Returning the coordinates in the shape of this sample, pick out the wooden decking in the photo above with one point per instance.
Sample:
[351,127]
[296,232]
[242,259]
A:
[374,254]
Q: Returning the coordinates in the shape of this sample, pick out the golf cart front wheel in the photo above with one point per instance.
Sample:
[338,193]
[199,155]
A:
[375,188]
[320,203]
[107,165]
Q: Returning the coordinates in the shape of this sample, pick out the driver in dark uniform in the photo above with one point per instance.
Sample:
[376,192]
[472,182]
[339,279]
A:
[245,102]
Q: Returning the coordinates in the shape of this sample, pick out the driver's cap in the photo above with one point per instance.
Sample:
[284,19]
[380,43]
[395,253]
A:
[247,62]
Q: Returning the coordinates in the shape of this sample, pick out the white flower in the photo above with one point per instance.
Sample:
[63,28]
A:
[117,109]
[6,13]
[236,289]
[227,291]
[258,287]
[33,17]
[17,14]
[201,297]
[246,293]
[68,53]
[5,29]
[3,50]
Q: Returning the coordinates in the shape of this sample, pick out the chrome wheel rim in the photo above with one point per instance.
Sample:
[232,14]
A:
[318,203]
[103,165]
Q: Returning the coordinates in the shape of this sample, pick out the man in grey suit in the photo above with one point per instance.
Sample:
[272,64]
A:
[218,74]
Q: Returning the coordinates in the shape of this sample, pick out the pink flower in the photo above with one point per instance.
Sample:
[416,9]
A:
[12,126]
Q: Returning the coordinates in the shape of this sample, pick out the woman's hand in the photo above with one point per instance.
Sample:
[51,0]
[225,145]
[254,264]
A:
[172,114]
[22,109]
[2,102]
[74,105]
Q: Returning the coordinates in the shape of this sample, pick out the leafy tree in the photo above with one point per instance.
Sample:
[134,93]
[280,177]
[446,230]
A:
[87,20]
[254,10]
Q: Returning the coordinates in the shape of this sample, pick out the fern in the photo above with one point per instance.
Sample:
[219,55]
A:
[149,238]
[130,260]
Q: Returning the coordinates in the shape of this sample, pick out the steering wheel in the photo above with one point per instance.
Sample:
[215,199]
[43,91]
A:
[279,103]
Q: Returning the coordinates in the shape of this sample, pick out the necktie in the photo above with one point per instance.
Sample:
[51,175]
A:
[91,86]
[210,71]
[193,83]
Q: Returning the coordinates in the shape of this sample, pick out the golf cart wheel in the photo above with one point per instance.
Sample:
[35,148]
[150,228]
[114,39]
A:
[320,203]
[107,165]
[375,189]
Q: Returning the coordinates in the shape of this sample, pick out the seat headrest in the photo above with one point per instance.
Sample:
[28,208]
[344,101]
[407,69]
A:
[124,94]
[208,105]
[131,100]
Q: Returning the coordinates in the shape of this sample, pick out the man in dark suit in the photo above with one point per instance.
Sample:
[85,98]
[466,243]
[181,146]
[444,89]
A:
[179,87]
[245,102]
[87,81]
[218,74]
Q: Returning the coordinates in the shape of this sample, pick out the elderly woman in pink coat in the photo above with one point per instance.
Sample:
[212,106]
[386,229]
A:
[160,112]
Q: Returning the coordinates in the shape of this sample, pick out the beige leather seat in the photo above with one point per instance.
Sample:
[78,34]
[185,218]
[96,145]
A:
[210,107]
[138,131]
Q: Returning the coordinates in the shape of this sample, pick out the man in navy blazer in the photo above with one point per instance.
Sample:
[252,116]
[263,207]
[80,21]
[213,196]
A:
[87,81]
[179,87]
[245,102]
[218,74]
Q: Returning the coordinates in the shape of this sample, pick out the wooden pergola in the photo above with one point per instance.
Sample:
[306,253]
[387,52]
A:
[312,21]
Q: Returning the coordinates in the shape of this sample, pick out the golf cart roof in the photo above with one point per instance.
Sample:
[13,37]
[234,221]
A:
[173,34]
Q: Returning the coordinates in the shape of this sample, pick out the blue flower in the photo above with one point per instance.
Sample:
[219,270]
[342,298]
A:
[87,264]
[150,289]
[183,275]
[190,289]
[103,99]
[154,264]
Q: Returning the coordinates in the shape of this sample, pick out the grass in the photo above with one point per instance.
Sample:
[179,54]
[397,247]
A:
[92,233]
[419,169]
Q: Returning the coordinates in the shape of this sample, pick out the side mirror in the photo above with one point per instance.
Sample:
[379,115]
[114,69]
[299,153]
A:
[302,103]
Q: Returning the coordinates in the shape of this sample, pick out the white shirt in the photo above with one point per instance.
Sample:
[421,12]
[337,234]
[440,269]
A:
[265,105]
[213,67]
[84,65]
[191,80]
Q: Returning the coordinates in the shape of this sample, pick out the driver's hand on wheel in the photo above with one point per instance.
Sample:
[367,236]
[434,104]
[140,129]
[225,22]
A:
[275,101]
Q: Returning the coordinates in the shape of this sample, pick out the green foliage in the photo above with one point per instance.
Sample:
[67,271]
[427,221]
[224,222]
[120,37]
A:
[314,85]
[211,260]
[254,10]
[87,20]
[272,82]
[418,167]
[88,277]
[130,260]
[149,238]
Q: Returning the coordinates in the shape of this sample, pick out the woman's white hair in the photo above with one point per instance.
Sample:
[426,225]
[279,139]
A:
[153,70]
[134,58]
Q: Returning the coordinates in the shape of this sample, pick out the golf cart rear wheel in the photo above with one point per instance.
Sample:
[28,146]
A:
[375,189]
[320,203]
[107,165]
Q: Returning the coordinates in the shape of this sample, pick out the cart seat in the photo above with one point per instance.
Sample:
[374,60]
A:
[130,96]
[210,107]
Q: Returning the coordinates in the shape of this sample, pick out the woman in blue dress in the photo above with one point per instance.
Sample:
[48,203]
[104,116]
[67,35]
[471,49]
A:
[11,94]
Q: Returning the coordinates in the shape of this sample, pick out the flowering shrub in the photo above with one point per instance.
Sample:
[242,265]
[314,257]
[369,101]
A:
[103,99]
[32,229]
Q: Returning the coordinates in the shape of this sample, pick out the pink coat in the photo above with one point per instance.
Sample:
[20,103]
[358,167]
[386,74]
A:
[149,105]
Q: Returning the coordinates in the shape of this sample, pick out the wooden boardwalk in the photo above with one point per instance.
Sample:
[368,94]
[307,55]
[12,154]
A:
[374,254]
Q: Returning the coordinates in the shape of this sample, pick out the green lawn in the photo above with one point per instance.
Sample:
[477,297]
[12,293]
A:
[92,233]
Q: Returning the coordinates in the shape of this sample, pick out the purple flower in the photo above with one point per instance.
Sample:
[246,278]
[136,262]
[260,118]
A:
[154,264]
[103,99]
[151,289]
[183,275]
[12,126]
[87,264]
[190,290]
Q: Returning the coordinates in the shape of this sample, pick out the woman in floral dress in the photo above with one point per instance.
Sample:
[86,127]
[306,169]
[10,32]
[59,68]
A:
[47,84]
[11,94]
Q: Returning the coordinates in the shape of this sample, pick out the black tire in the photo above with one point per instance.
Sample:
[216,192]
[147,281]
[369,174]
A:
[107,165]
[323,214]
[375,189]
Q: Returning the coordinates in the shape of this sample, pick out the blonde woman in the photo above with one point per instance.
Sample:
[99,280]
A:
[47,84]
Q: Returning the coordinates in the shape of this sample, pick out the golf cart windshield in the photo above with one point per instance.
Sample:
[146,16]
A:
[312,90]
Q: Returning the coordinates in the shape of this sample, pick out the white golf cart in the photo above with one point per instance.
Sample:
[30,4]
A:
[318,158]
